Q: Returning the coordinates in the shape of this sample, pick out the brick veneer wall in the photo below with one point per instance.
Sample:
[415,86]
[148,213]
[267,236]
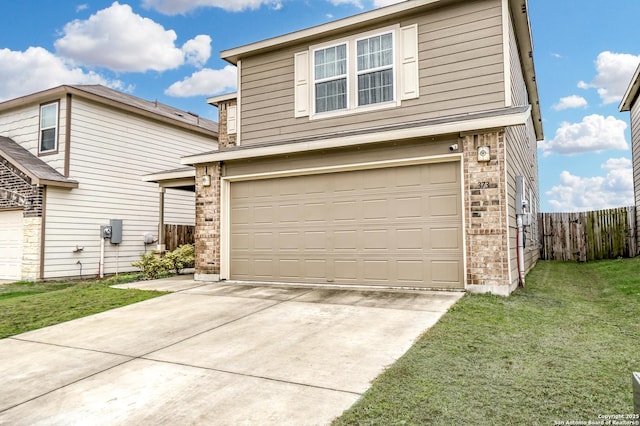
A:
[207,232]
[486,217]
[225,139]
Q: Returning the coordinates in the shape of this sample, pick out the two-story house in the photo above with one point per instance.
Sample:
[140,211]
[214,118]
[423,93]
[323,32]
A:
[71,163]
[630,103]
[392,148]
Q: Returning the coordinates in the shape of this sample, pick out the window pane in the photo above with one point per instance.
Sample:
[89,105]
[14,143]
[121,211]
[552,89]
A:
[331,95]
[375,87]
[48,140]
[48,115]
[375,52]
[330,62]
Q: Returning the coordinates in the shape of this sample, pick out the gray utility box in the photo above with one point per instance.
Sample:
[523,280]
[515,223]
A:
[636,393]
[116,231]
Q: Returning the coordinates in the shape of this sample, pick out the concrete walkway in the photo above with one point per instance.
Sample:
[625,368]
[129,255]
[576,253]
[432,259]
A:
[228,354]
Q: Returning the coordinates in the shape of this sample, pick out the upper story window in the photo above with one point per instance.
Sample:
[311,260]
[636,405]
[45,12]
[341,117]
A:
[367,71]
[330,76]
[375,69]
[48,128]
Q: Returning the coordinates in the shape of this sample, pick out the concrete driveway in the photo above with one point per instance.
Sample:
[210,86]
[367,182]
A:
[228,354]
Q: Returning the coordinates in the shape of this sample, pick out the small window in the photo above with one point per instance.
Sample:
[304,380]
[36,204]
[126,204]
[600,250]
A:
[375,69]
[330,78]
[49,127]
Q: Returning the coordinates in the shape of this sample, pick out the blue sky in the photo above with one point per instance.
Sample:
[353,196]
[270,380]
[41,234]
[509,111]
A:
[585,54]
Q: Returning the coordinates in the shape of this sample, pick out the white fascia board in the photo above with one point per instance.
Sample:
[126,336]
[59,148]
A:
[232,55]
[461,126]
[216,100]
[632,91]
[170,175]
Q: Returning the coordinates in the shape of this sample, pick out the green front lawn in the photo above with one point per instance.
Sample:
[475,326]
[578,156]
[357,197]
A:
[26,306]
[562,349]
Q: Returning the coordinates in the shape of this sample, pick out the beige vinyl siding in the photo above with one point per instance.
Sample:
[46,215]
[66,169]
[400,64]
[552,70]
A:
[23,125]
[522,160]
[519,94]
[635,150]
[461,71]
[110,152]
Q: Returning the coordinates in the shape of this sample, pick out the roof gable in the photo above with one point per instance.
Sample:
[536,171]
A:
[122,101]
[38,171]
[631,94]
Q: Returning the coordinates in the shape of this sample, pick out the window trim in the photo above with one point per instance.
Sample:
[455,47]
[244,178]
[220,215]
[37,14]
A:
[352,74]
[394,66]
[56,126]
[315,81]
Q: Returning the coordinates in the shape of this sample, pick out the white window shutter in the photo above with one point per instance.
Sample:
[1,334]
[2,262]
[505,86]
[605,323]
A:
[409,75]
[232,112]
[301,75]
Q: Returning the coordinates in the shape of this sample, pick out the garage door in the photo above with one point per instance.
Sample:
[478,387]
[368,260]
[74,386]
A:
[399,226]
[10,244]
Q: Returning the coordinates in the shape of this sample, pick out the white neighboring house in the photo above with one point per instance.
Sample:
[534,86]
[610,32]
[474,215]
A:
[71,161]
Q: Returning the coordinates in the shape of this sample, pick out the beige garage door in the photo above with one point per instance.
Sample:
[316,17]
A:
[399,226]
[10,244]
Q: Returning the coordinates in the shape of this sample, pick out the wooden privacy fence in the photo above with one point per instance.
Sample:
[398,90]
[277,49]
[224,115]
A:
[585,236]
[177,235]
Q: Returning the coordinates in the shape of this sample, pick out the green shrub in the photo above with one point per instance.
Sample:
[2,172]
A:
[151,265]
[154,266]
[180,258]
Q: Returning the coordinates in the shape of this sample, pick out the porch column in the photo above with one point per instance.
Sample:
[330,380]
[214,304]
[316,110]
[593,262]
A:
[161,245]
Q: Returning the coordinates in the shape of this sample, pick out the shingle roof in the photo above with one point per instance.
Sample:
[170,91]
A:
[154,107]
[122,101]
[40,172]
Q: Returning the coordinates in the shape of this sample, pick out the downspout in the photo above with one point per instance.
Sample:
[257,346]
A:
[521,206]
[520,249]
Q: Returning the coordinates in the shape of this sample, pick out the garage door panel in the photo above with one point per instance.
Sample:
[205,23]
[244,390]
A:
[289,241]
[290,268]
[409,208]
[442,173]
[346,270]
[345,240]
[375,209]
[411,271]
[315,240]
[444,205]
[315,212]
[446,273]
[377,270]
[11,240]
[379,227]
[376,239]
[445,239]
[315,269]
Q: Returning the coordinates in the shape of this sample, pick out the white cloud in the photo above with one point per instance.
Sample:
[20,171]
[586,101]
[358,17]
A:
[575,193]
[614,74]
[178,7]
[356,3]
[205,82]
[118,39]
[594,134]
[37,69]
[383,3]
[359,4]
[572,101]
[81,7]
[197,51]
